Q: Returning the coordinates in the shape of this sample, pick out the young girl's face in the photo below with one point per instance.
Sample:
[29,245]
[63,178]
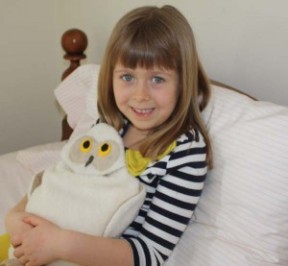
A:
[146,97]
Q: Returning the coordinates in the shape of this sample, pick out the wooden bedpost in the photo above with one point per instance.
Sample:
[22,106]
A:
[74,42]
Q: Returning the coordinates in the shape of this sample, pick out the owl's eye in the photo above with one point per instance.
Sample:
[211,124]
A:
[86,145]
[104,149]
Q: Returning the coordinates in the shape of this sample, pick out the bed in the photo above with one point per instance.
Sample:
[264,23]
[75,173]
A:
[242,217]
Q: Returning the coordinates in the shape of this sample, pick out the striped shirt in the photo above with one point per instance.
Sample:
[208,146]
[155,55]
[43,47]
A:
[174,185]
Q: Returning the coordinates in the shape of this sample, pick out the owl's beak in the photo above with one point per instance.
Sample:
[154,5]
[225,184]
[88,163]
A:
[90,160]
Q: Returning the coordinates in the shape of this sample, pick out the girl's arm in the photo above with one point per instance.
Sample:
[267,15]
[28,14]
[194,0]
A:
[46,243]
[97,250]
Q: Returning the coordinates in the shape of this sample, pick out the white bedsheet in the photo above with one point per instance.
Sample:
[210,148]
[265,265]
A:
[16,173]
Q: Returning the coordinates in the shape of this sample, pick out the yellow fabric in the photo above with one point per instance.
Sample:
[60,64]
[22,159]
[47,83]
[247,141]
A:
[4,246]
[136,163]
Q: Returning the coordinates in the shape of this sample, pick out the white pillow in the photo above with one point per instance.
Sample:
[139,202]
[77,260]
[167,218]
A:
[77,95]
[242,217]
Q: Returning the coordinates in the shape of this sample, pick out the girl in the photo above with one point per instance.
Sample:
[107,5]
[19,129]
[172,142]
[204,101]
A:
[152,89]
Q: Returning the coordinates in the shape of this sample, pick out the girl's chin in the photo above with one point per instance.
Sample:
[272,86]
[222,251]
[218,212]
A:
[141,128]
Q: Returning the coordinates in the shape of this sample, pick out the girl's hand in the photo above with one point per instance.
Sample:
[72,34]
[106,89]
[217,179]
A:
[14,219]
[37,246]
[15,224]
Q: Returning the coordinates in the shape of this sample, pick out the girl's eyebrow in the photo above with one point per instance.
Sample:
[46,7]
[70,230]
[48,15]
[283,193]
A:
[162,72]
[117,70]
[166,72]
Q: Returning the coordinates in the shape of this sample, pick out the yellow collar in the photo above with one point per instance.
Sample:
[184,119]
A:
[136,163]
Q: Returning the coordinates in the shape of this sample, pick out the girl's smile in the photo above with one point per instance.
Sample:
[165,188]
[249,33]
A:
[142,112]
[146,97]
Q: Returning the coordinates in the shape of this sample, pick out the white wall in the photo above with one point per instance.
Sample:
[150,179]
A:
[29,71]
[241,42]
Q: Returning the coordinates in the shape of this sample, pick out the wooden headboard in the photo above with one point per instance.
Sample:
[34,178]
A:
[74,42]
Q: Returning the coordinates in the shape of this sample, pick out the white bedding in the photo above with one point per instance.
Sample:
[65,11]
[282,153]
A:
[14,179]
[16,172]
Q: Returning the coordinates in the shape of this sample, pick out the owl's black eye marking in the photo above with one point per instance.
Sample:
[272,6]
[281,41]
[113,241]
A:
[86,145]
[104,149]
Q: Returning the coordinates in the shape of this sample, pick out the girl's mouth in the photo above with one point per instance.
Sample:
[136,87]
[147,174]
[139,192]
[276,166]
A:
[143,111]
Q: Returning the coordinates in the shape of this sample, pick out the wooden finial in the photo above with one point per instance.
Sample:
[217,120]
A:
[74,42]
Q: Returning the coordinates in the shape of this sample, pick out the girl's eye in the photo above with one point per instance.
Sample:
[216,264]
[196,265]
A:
[127,77]
[158,80]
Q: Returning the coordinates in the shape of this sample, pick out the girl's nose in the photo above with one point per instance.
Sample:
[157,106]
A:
[142,92]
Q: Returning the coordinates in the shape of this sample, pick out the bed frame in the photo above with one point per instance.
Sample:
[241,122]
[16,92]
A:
[74,42]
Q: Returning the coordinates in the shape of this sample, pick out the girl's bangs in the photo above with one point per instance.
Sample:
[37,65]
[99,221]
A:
[146,55]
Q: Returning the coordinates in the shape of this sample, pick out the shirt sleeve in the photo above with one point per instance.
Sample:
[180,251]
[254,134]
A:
[156,231]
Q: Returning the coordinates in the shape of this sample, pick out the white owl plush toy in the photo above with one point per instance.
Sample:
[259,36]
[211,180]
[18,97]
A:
[90,190]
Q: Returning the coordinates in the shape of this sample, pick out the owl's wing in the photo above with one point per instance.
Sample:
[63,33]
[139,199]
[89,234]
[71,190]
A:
[125,214]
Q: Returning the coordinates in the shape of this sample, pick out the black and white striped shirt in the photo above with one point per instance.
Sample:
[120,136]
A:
[174,185]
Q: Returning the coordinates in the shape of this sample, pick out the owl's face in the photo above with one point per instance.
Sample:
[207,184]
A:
[100,150]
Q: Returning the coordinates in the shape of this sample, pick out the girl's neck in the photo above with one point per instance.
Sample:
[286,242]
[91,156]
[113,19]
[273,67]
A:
[133,137]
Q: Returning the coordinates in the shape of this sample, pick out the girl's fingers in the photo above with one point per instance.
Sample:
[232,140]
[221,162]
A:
[34,220]
[23,260]
[18,252]
[16,240]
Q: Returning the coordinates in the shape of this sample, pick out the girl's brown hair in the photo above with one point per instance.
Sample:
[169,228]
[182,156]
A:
[151,36]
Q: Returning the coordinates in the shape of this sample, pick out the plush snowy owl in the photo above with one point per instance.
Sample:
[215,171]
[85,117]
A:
[97,151]
[90,190]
